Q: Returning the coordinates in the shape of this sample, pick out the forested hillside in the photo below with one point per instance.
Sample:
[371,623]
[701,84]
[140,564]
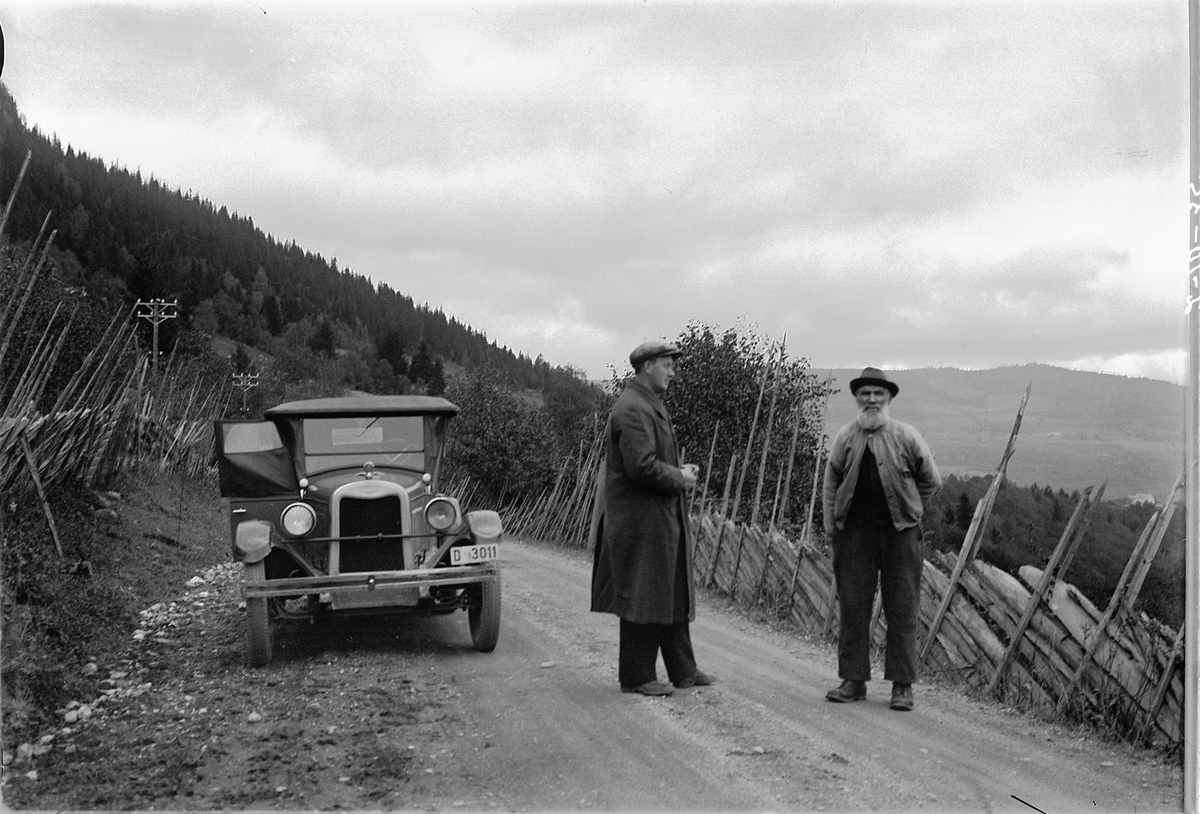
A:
[1028,521]
[122,237]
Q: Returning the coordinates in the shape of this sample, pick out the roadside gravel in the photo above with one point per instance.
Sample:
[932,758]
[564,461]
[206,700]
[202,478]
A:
[181,723]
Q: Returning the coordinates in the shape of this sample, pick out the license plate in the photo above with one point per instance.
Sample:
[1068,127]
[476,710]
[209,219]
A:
[469,554]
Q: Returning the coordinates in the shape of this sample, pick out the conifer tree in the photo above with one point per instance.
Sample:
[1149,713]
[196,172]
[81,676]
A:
[322,340]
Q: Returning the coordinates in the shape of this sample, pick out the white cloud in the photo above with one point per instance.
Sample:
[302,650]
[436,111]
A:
[956,183]
[1169,365]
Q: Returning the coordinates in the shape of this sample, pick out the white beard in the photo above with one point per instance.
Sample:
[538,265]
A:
[871,420]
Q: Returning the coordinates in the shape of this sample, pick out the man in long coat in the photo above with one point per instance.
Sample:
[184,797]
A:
[643,561]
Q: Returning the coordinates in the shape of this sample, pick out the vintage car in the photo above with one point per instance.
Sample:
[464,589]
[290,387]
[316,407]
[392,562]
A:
[334,508]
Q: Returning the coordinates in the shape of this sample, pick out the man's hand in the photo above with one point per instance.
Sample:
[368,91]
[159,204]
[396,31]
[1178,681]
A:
[690,473]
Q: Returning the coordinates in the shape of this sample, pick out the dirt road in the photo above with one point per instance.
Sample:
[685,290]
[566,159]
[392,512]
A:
[380,716]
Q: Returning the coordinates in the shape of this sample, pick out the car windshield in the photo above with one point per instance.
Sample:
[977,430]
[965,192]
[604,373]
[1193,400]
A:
[333,443]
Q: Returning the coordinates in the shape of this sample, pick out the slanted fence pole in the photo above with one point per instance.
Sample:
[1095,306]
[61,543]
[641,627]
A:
[791,461]
[12,196]
[1164,683]
[970,544]
[737,558]
[712,451]
[831,608]
[812,498]
[737,497]
[1139,576]
[1076,527]
[762,577]
[766,447]
[1060,575]
[716,551]
[37,482]
[15,320]
[1114,604]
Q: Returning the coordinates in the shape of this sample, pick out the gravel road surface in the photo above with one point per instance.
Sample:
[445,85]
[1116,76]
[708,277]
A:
[375,714]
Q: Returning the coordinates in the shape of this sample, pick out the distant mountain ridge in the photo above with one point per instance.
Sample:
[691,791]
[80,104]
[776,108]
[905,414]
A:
[1079,427]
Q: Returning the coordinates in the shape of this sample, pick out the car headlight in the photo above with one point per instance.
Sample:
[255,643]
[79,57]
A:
[298,519]
[441,513]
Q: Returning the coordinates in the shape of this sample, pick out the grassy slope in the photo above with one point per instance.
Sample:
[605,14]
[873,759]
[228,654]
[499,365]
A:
[123,551]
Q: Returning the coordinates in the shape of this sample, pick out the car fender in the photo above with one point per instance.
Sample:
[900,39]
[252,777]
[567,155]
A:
[253,541]
[485,525]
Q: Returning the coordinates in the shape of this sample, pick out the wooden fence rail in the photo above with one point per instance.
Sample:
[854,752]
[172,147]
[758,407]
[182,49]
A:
[106,416]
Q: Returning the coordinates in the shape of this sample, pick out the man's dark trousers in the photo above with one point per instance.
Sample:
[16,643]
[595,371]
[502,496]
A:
[866,554]
[638,653]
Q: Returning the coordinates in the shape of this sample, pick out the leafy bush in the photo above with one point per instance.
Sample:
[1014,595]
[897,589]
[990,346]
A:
[718,381]
[506,446]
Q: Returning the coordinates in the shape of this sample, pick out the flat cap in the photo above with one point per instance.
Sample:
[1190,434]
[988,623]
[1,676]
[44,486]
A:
[873,375]
[652,350]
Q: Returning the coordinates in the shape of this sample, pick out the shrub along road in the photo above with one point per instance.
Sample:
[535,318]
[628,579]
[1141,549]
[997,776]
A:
[379,715]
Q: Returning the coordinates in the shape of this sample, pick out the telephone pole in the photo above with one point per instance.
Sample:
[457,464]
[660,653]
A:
[245,382]
[157,311]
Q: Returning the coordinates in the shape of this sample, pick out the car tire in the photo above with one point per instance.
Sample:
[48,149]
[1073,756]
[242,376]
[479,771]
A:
[484,617]
[258,618]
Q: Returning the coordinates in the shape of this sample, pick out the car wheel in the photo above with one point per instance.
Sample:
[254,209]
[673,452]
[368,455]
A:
[258,619]
[484,617]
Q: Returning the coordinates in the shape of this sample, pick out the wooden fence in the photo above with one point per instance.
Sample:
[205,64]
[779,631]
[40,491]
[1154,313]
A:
[110,416]
[110,413]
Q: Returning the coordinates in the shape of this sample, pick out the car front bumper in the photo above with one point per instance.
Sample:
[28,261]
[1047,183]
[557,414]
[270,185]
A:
[359,582]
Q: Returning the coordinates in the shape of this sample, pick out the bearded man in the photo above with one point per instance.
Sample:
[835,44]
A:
[878,480]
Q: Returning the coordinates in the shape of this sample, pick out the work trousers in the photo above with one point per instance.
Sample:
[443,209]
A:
[639,648]
[866,555]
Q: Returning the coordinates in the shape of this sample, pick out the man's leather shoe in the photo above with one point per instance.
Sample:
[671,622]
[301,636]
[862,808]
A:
[653,688]
[848,691]
[902,697]
[700,679]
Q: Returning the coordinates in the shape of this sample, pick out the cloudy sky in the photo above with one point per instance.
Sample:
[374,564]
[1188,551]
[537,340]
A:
[892,183]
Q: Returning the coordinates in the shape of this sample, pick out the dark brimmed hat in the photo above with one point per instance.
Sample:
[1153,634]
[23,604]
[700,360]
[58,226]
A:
[652,350]
[873,375]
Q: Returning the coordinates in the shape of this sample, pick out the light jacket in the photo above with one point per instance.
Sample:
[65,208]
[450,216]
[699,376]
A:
[639,522]
[906,467]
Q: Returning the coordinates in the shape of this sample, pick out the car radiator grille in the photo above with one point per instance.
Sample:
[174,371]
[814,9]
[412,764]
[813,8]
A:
[367,517]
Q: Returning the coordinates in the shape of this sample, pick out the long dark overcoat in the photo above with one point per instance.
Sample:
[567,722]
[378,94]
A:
[639,525]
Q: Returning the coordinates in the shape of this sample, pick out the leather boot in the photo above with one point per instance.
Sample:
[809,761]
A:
[847,691]
[902,697]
